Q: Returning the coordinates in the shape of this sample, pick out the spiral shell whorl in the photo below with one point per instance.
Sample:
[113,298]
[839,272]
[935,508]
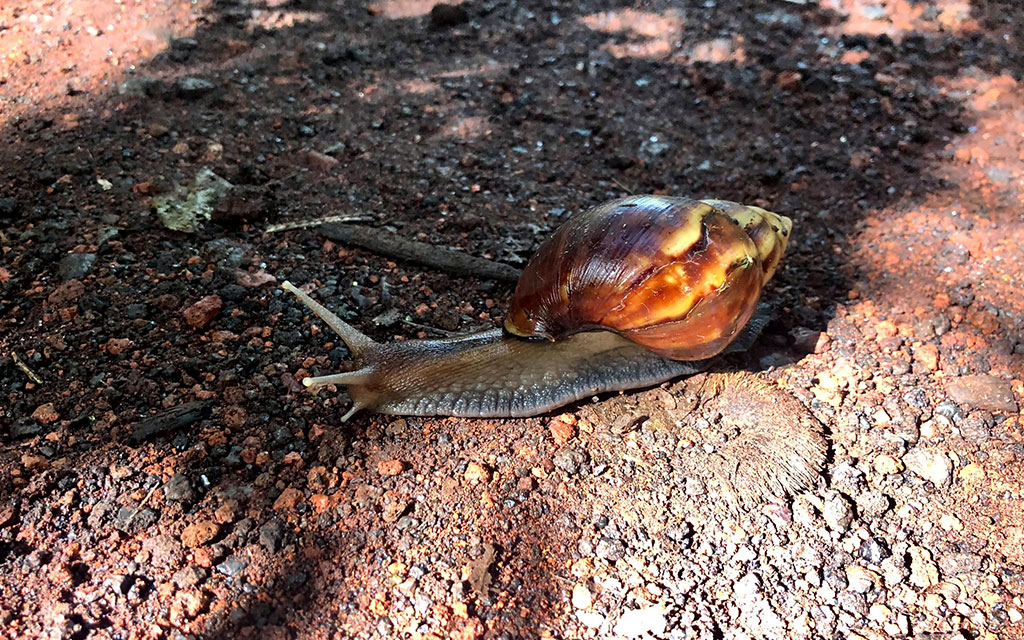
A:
[678,276]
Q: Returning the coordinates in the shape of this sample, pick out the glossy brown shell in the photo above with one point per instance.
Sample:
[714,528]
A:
[679,276]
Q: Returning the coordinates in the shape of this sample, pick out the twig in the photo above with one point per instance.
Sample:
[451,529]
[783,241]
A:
[388,244]
[172,419]
[24,367]
[143,503]
[424,327]
[624,187]
[305,224]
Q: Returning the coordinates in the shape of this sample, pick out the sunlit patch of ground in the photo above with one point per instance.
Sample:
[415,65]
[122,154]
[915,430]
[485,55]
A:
[896,18]
[718,51]
[419,86]
[969,238]
[466,128]
[79,47]
[279,19]
[989,159]
[648,34]
[645,24]
[659,36]
[395,9]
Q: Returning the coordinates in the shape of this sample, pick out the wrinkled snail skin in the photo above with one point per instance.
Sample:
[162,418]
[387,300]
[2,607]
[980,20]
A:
[633,270]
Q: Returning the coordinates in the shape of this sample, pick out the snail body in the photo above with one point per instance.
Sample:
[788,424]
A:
[628,294]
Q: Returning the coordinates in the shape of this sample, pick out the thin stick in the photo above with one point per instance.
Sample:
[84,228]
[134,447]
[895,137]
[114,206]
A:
[388,244]
[143,503]
[624,187]
[305,224]
[427,327]
[24,367]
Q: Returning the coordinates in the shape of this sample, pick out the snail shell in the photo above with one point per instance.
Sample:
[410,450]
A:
[679,276]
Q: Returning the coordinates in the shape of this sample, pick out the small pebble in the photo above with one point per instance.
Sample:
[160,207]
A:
[640,621]
[923,572]
[202,312]
[476,472]
[9,208]
[75,266]
[837,512]
[610,549]
[191,87]
[982,392]
[581,597]
[390,467]
[199,533]
[930,464]
[447,15]
[886,465]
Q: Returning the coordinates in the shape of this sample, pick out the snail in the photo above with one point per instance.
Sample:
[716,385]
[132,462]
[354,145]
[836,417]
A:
[629,294]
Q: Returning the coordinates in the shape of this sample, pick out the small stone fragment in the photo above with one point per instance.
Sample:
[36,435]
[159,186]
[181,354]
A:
[199,533]
[45,413]
[590,619]
[9,208]
[25,427]
[288,499]
[930,464]
[164,550]
[640,621]
[837,512]
[610,549]
[923,572]
[390,467]
[189,576]
[804,512]
[581,597]
[887,465]
[893,571]
[879,613]
[75,266]
[187,604]
[317,161]
[192,87]
[233,566]
[952,564]
[117,346]
[873,551]
[179,489]
[748,587]
[270,535]
[569,460]
[202,312]
[561,431]
[860,579]
[982,392]
[447,15]
[872,504]
[66,294]
[949,522]
[476,472]
[928,356]
[253,280]
[227,512]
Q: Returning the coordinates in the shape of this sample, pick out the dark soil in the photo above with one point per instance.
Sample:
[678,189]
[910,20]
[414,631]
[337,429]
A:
[163,473]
